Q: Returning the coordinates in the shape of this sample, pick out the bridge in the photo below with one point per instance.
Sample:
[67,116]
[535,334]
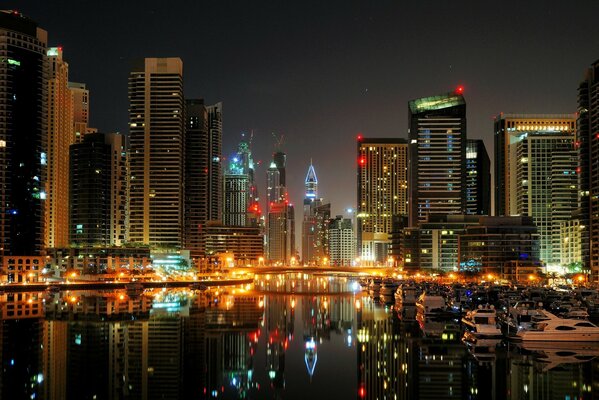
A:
[319,269]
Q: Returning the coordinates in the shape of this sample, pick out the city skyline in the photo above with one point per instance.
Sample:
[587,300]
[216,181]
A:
[299,93]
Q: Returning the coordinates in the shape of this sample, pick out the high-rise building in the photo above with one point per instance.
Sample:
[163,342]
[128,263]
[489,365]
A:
[156,127]
[59,137]
[197,161]
[98,198]
[588,156]
[478,178]
[80,110]
[273,185]
[239,190]
[315,222]
[535,173]
[382,193]
[281,232]
[437,155]
[342,241]
[23,153]
[215,139]
[236,194]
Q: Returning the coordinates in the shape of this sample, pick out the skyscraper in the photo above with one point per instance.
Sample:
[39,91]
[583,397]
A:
[315,222]
[239,189]
[80,110]
[382,193]
[156,129]
[281,232]
[478,178]
[197,159]
[437,155]
[280,222]
[588,155]
[536,173]
[273,185]
[215,140]
[22,131]
[59,137]
[98,190]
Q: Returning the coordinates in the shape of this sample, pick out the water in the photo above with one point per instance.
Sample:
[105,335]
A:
[288,337]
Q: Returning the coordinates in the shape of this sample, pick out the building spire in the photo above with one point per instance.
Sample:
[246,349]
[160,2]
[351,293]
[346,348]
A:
[311,183]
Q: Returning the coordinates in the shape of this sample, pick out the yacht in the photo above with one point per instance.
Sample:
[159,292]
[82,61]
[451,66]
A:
[548,327]
[431,304]
[482,322]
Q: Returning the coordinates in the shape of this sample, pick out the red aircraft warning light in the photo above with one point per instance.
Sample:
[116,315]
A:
[362,161]
[360,137]
[459,89]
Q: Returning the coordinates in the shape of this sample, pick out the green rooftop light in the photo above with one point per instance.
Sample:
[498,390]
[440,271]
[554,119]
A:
[433,103]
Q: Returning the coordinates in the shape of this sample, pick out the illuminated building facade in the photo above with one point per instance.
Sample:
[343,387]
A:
[241,207]
[433,244]
[80,110]
[245,244]
[156,134]
[23,153]
[382,193]
[478,178]
[342,241]
[281,232]
[488,246]
[536,173]
[437,156]
[587,141]
[59,137]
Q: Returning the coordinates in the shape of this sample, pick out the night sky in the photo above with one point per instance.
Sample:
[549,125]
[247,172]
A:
[319,72]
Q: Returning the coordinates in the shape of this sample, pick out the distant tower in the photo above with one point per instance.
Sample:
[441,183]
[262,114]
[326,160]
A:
[273,185]
[156,127]
[315,222]
[215,137]
[236,194]
[478,178]
[80,110]
[311,183]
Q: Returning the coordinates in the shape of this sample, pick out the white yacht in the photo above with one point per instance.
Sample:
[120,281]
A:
[546,326]
[431,304]
[482,323]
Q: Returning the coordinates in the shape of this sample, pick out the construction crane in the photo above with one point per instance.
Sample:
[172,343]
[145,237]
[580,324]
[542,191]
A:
[279,140]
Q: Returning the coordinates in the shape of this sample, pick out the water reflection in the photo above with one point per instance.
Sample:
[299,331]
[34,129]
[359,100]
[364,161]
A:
[289,337]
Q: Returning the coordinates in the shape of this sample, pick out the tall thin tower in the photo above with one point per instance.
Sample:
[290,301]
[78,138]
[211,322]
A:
[60,135]
[156,129]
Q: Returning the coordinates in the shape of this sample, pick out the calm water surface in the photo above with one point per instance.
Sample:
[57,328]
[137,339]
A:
[286,337]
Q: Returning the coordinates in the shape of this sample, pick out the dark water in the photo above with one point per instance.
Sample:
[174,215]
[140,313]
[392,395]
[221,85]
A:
[292,337]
